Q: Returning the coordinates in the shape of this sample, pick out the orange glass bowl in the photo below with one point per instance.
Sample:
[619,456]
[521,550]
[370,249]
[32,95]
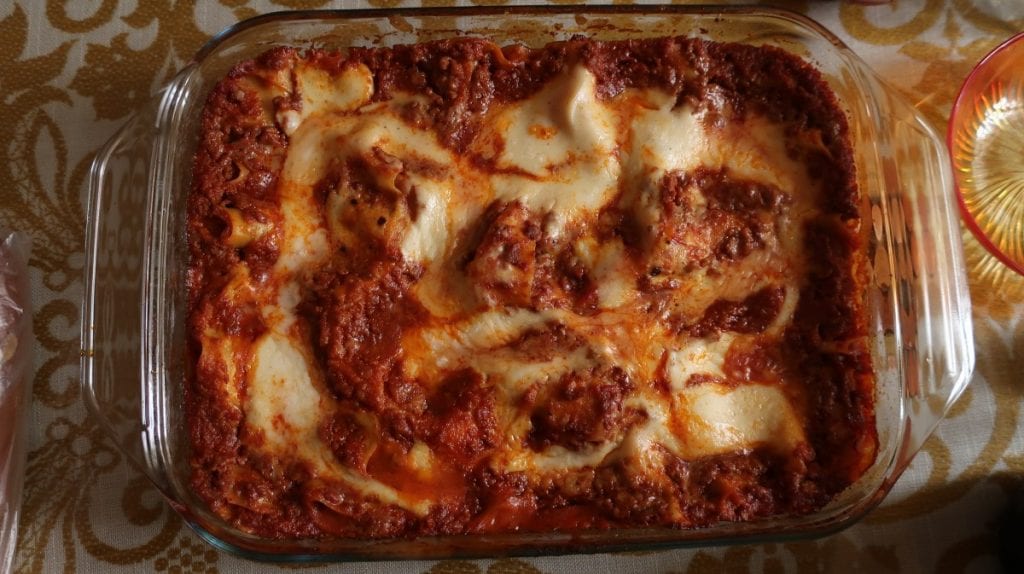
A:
[986,145]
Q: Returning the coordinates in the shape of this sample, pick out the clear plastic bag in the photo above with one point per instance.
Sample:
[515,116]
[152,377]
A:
[15,362]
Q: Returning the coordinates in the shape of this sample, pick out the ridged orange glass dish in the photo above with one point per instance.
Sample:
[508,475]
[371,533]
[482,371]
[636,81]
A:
[986,142]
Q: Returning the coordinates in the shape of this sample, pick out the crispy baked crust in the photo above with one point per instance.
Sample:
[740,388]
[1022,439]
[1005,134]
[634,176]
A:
[357,306]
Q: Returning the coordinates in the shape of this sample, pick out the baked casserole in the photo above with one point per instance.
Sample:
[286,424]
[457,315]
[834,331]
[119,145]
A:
[453,287]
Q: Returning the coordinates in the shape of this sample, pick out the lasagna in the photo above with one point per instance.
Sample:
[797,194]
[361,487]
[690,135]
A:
[452,287]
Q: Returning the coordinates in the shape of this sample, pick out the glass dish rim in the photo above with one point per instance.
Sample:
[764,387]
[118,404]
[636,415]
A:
[533,9]
[817,524]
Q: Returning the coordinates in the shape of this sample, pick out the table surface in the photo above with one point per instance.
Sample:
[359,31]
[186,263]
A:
[72,73]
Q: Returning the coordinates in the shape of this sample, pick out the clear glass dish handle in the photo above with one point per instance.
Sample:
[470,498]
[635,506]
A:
[119,184]
[932,309]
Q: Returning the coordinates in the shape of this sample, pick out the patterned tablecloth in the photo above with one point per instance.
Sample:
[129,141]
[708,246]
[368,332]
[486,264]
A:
[73,71]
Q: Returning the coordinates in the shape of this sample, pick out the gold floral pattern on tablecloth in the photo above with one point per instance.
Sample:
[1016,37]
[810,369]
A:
[73,73]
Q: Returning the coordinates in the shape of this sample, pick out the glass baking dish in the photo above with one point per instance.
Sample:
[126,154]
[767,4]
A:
[133,331]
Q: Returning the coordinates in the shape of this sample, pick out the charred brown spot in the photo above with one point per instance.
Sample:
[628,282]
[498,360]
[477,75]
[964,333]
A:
[582,408]
[751,315]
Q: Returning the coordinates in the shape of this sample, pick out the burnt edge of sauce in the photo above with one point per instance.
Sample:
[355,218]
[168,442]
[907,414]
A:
[236,169]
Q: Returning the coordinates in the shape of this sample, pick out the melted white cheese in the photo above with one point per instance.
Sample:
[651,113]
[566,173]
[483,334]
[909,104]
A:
[450,346]
[563,138]
[698,357]
[666,137]
[562,123]
[557,458]
[515,372]
[321,93]
[722,419]
[284,403]
[304,241]
[663,139]
[427,238]
[611,271]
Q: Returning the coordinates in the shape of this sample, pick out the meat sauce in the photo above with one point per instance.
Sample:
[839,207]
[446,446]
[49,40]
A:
[442,441]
